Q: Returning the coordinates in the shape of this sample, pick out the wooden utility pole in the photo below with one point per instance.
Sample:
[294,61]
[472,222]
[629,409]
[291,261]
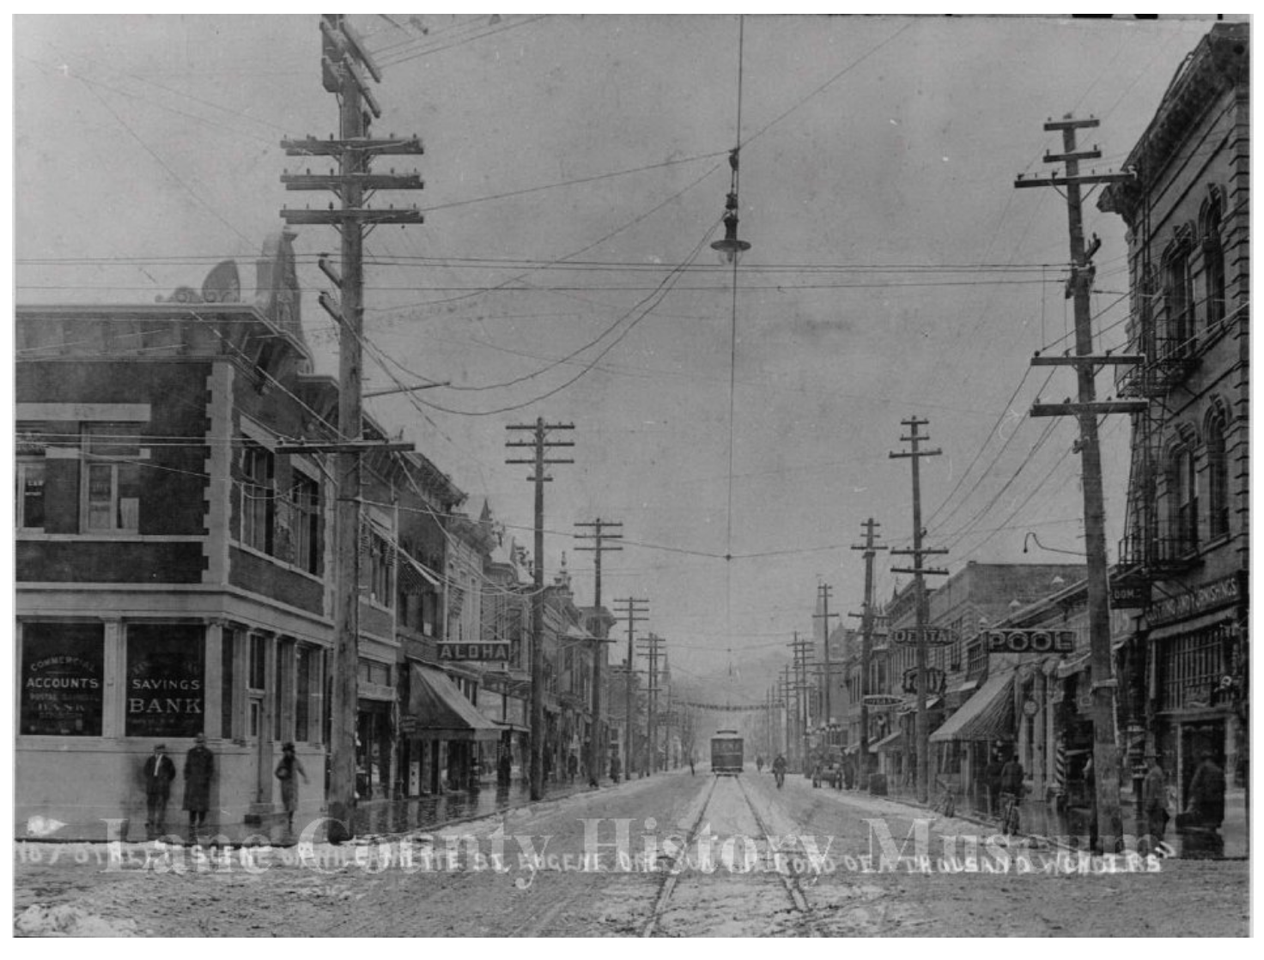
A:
[343,61]
[651,646]
[539,442]
[599,742]
[824,591]
[1079,288]
[919,572]
[866,644]
[802,711]
[632,607]
[784,694]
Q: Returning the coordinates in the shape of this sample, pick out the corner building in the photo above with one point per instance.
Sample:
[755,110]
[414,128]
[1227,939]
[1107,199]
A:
[1186,548]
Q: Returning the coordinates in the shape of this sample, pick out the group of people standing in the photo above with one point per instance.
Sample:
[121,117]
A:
[159,771]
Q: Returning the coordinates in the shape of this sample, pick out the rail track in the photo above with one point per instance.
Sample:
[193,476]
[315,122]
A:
[801,915]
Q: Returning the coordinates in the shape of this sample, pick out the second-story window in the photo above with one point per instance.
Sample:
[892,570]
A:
[111,478]
[30,498]
[258,497]
[1183,500]
[1217,478]
[305,505]
[381,568]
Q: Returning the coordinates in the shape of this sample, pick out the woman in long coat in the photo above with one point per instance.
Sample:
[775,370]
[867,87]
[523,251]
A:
[199,766]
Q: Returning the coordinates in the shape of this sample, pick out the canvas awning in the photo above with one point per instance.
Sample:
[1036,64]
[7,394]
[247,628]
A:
[893,741]
[988,715]
[442,712]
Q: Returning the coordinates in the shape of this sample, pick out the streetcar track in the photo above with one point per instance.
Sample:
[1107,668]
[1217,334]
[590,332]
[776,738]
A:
[788,878]
[789,881]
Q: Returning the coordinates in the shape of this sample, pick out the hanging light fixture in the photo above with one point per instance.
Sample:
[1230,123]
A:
[731,247]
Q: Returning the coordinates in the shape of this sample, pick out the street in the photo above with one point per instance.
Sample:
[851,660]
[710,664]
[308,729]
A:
[671,855]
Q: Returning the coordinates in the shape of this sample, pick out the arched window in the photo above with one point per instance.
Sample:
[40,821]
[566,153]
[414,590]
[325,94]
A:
[1177,299]
[1182,499]
[1213,261]
[1217,477]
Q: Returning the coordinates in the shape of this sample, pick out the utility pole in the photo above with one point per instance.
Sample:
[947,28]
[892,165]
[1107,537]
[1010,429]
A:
[539,442]
[343,60]
[1079,287]
[802,707]
[650,647]
[599,742]
[824,590]
[915,453]
[784,694]
[631,607]
[866,643]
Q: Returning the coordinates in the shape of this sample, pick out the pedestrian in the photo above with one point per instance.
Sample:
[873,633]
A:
[199,765]
[572,766]
[1207,793]
[504,769]
[285,770]
[616,767]
[1154,802]
[159,771]
[691,764]
[992,779]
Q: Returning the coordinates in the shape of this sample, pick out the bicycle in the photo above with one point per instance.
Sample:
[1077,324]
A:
[1009,814]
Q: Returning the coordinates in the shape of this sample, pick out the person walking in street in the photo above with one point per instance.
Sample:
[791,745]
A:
[199,765]
[159,771]
[1012,790]
[1154,802]
[779,770]
[504,769]
[691,764]
[285,772]
[572,767]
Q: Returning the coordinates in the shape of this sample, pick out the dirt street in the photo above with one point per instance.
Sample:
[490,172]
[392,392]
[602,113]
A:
[677,855]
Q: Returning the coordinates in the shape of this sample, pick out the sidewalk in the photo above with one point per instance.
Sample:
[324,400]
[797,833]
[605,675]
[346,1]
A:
[371,818]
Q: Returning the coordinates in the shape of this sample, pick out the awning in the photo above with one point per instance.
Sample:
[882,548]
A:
[1068,668]
[911,707]
[988,715]
[442,712]
[415,572]
[890,742]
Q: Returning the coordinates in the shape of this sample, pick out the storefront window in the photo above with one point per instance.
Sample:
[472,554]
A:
[165,680]
[63,679]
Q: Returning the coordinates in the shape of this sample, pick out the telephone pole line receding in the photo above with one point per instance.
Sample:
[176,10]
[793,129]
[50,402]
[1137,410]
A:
[824,591]
[1079,286]
[803,713]
[343,58]
[539,442]
[915,453]
[631,607]
[599,742]
[651,647]
[866,644]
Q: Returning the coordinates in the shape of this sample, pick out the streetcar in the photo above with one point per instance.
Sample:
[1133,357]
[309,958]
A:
[726,753]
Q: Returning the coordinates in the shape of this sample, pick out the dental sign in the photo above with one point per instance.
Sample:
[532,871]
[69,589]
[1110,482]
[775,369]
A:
[1029,641]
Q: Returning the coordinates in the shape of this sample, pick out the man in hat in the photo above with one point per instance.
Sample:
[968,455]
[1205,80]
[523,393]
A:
[1154,801]
[159,771]
[199,766]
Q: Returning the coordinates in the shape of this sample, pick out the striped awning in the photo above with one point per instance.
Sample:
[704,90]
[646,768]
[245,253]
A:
[988,715]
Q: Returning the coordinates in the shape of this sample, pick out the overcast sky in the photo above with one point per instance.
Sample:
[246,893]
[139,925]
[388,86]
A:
[576,170]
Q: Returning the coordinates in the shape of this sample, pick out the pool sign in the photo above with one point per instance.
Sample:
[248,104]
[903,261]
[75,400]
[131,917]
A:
[1029,641]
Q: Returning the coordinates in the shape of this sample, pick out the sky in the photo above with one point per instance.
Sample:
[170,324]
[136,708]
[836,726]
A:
[737,422]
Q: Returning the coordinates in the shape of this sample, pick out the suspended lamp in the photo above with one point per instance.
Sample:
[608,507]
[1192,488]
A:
[730,248]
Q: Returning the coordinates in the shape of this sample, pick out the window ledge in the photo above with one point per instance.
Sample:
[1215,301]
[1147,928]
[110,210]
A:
[276,561]
[110,537]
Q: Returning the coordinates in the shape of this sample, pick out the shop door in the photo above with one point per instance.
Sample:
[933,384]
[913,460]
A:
[1195,739]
